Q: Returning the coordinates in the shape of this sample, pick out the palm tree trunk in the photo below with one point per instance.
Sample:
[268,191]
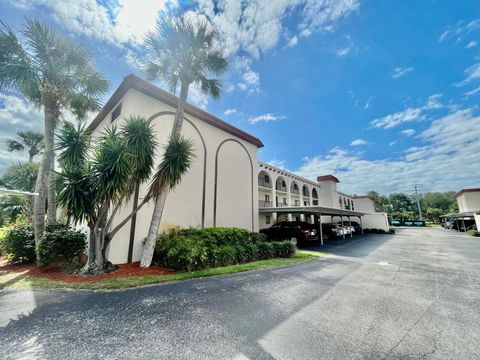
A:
[149,248]
[147,255]
[41,184]
[51,194]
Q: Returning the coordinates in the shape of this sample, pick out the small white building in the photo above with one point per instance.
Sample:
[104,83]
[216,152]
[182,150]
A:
[468,201]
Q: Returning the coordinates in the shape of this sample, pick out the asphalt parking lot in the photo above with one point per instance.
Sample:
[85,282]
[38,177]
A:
[413,295]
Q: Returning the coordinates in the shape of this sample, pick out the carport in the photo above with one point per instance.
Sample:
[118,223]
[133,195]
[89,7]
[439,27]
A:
[318,211]
[460,218]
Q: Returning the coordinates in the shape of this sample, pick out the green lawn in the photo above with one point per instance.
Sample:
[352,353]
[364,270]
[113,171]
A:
[17,280]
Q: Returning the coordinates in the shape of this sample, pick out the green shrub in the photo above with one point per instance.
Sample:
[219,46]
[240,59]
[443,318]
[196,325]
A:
[18,243]
[192,249]
[283,249]
[475,233]
[59,242]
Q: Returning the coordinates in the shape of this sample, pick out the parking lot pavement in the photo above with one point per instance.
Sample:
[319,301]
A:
[413,295]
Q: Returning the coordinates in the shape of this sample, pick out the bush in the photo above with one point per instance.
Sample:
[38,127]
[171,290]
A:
[378,231]
[475,233]
[192,249]
[18,243]
[59,242]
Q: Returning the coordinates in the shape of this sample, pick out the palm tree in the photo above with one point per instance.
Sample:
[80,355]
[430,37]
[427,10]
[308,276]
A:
[93,184]
[183,53]
[28,140]
[51,72]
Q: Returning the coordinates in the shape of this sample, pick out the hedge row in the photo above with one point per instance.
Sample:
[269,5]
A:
[59,242]
[193,249]
[475,233]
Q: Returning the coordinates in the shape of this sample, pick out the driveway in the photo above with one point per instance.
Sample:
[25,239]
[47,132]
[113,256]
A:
[413,295]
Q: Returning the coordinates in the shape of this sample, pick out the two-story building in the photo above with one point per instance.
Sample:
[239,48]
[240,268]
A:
[468,201]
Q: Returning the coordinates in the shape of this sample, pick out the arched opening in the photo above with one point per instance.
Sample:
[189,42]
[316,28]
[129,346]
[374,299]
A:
[295,194]
[315,196]
[264,180]
[281,194]
[281,184]
[306,196]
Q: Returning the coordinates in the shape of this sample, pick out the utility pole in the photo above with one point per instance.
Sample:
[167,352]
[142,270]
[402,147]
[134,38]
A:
[418,203]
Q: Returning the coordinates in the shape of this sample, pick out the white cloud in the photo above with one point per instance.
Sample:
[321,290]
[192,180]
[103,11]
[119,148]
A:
[460,31]
[409,114]
[472,92]
[400,71]
[358,142]
[472,73]
[268,117]
[127,22]
[345,51]
[392,143]
[256,26]
[229,112]
[277,163]
[250,80]
[408,132]
[443,35]
[446,158]
[367,104]
[471,44]
[197,97]
[292,42]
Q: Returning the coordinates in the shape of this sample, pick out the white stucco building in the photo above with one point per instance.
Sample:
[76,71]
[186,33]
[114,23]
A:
[226,185]
[221,187]
[468,201]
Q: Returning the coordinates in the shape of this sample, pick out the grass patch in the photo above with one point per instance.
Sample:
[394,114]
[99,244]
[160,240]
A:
[19,281]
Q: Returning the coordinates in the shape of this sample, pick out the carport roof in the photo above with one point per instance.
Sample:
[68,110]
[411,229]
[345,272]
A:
[461,215]
[311,210]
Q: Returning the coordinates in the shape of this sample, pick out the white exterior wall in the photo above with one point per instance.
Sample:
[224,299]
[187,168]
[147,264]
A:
[469,201]
[234,160]
[364,204]
[376,221]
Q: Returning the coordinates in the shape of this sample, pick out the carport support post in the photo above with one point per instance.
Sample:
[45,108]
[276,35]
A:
[343,230]
[456,222]
[350,224]
[361,225]
[463,225]
[320,225]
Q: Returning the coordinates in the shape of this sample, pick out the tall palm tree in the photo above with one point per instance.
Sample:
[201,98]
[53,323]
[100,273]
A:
[32,141]
[182,53]
[51,72]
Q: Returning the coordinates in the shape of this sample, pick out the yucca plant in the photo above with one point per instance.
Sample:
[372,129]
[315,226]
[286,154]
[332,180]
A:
[97,176]
[182,52]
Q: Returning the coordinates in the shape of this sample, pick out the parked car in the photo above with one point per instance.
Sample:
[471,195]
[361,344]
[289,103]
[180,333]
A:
[292,230]
[347,229]
[356,227]
[331,231]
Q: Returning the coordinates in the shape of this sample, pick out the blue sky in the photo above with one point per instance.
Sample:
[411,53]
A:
[382,94]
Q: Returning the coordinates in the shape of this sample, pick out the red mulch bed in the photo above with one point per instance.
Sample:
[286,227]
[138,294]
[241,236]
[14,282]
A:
[55,273]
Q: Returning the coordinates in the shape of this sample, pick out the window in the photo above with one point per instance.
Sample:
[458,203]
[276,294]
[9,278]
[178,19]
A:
[276,226]
[295,187]
[116,113]
[284,185]
[297,218]
[267,198]
[267,219]
[297,202]
[284,201]
[267,179]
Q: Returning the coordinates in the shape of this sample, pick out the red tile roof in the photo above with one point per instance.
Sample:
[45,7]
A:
[134,82]
[458,193]
[327,178]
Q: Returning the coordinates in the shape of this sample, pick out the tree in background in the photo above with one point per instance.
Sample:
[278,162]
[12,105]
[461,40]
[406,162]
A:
[183,53]
[20,176]
[381,202]
[53,72]
[32,141]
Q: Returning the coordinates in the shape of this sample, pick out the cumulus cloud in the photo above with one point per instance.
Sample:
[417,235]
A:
[401,71]
[268,117]
[408,132]
[446,158]
[292,42]
[256,26]
[409,114]
[229,112]
[358,142]
[122,22]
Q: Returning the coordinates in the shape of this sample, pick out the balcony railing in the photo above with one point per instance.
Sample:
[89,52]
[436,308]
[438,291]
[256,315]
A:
[263,203]
[281,188]
[263,183]
[295,191]
[282,205]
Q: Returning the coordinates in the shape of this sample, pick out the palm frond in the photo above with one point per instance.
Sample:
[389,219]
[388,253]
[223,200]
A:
[14,145]
[21,176]
[140,139]
[176,161]
[73,143]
